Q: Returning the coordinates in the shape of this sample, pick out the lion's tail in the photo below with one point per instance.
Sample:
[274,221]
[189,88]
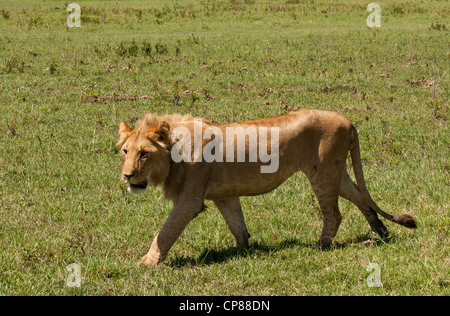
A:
[405,219]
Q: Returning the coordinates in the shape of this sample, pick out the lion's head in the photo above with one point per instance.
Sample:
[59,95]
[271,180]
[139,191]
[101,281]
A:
[145,152]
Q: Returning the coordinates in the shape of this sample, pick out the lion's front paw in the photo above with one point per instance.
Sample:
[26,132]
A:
[149,261]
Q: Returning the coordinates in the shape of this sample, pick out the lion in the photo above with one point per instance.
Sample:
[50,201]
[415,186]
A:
[316,142]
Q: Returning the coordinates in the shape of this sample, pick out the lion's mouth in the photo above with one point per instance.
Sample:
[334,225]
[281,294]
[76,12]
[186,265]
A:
[141,185]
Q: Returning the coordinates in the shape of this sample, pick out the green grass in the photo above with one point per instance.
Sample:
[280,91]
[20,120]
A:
[64,91]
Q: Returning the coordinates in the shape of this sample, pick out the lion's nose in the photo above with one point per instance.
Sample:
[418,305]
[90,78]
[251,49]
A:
[129,176]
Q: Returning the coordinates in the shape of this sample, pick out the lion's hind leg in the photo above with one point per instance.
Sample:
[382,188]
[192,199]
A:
[232,212]
[326,187]
[331,220]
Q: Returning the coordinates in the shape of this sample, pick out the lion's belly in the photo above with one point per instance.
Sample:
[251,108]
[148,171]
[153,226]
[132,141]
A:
[239,182]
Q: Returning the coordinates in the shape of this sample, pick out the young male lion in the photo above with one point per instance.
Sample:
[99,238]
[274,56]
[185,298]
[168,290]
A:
[313,141]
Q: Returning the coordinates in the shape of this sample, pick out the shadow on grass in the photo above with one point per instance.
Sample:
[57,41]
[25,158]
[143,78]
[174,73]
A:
[212,256]
[362,240]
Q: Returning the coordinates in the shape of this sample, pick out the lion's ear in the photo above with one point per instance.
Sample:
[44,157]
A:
[161,131]
[124,132]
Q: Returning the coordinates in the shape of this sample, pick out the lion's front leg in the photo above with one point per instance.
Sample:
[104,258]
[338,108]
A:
[153,256]
[181,215]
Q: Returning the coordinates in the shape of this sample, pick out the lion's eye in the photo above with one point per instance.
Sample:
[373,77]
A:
[125,151]
[144,155]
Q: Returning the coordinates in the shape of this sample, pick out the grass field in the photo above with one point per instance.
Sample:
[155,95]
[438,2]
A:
[64,91]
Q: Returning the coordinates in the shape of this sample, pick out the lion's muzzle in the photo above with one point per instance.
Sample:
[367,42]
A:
[137,188]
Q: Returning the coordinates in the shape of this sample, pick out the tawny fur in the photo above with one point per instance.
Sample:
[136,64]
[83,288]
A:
[312,141]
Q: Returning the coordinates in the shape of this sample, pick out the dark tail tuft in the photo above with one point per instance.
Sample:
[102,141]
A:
[405,220]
